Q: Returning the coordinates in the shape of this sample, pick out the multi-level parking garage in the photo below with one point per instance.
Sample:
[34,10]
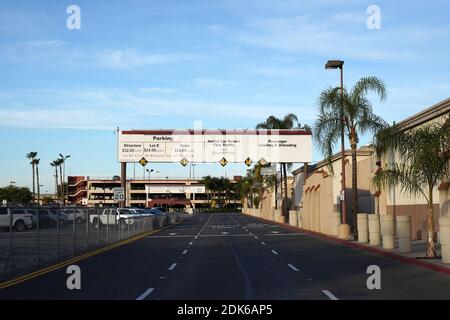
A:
[171,192]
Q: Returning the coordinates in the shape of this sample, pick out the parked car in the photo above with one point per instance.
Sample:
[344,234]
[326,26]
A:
[44,220]
[76,214]
[21,220]
[163,217]
[113,216]
[60,218]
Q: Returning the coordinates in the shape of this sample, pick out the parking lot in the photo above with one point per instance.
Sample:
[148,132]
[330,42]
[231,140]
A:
[29,249]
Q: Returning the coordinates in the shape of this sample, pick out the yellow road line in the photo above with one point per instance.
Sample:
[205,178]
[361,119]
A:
[67,262]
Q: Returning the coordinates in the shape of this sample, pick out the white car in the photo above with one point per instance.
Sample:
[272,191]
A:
[21,220]
[113,216]
[74,214]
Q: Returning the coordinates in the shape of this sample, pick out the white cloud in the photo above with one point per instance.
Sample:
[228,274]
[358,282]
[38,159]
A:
[108,108]
[134,58]
[158,90]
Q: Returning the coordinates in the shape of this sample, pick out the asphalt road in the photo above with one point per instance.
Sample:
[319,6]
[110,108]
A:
[233,256]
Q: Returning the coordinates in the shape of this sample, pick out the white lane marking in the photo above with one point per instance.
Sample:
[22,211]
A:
[191,243]
[224,232]
[172,234]
[263,243]
[185,251]
[274,252]
[196,237]
[172,266]
[145,294]
[275,232]
[293,268]
[256,237]
[329,295]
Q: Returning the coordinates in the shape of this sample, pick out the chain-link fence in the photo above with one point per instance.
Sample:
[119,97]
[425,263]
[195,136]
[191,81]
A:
[35,237]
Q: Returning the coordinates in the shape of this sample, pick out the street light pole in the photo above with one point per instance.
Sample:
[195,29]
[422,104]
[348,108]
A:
[339,64]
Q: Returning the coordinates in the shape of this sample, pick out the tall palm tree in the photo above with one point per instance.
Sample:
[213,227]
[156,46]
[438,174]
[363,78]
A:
[31,156]
[289,121]
[358,118]
[54,164]
[36,164]
[424,155]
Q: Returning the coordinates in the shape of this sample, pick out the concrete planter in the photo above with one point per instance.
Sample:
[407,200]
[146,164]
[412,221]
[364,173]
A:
[276,213]
[335,223]
[388,231]
[374,229]
[299,219]
[344,232]
[293,218]
[363,227]
[444,238]
[404,234]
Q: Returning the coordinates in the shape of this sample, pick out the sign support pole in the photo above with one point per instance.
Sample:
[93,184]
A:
[123,183]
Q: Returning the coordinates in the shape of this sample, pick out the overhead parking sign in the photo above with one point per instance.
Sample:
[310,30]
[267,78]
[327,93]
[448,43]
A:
[211,146]
[119,194]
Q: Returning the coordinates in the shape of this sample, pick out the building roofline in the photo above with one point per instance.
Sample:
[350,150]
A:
[363,151]
[433,112]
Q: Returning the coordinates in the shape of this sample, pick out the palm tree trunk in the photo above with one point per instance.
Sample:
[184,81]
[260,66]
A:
[354,189]
[62,187]
[431,249]
[34,183]
[286,213]
[56,182]
[38,185]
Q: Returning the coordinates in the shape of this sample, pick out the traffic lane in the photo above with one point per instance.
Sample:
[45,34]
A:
[207,271]
[232,266]
[116,274]
[220,224]
[342,270]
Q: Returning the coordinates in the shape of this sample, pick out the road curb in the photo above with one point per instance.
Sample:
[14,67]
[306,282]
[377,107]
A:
[374,250]
[59,265]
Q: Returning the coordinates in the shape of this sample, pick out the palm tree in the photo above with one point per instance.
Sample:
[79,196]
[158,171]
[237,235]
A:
[358,118]
[207,182]
[31,156]
[54,164]
[36,164]
[290,121]
[424,155]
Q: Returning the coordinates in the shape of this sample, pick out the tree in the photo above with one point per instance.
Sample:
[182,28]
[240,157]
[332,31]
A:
[290,121]
[358,118]
[424,155]
[16,195]
[31,156]
[36,164]
[54,164]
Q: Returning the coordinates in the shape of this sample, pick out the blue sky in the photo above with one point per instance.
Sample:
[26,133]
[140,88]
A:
[165,64]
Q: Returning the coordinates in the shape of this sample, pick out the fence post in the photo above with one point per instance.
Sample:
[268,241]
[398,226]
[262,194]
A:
[107,225]
[37,237]
[57,232]
[74,230]
[10,261]
[87,228]
[98,227]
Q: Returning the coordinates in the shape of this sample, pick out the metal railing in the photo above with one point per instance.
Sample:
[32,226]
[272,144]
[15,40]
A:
[55,234]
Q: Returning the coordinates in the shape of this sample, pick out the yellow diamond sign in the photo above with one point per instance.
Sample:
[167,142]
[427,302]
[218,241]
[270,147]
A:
[248,162]
[223,162]
[143,162]
[184,162]
[262,162]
